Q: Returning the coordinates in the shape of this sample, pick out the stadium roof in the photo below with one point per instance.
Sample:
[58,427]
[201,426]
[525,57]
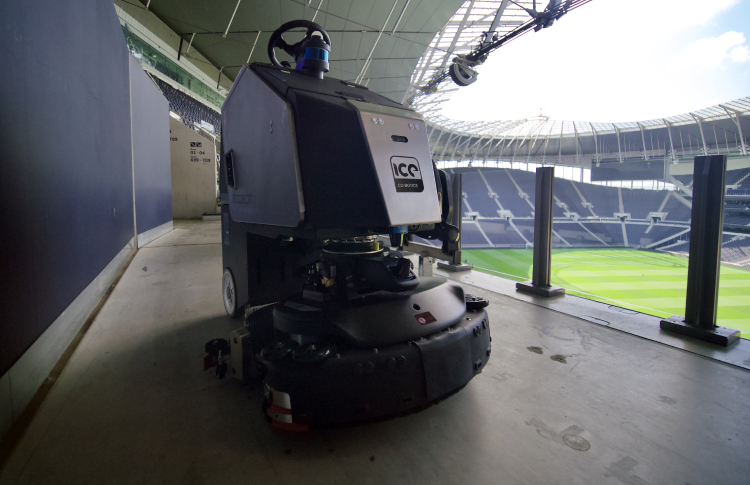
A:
[375,43]
[395,47]
[545,125]
[463,32]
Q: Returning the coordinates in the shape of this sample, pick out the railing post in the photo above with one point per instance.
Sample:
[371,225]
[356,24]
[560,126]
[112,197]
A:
[706,227]
[540,275]
[457,196]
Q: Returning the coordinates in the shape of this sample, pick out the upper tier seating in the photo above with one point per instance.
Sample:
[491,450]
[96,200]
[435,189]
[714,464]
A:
[604,199]
[477,195]
[639,202]
[503,186]
[191,111]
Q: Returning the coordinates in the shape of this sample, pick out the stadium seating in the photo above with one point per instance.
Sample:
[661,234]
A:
[638,203]
[525,227]
[502,234]
[676,211]
[191,111]
[737,219]
[576,235]
[471,236]
[502,185]
[610,233]
[604,199]
[565,191]
[477,195]
[637,234]
[606,231]
[736,250]
[741,177]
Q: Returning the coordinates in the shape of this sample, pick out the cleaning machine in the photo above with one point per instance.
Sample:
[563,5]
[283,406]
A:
[323,184]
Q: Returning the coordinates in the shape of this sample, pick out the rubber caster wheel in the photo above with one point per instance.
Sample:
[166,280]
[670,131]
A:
[475,303]
[229,294]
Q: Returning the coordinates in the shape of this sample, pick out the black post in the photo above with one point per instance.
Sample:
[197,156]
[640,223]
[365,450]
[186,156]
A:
[455,185]
[706,227]
[544,198]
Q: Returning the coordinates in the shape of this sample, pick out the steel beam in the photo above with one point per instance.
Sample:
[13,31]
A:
[739,127]
[671,144]
[316,10]
[704,264]
[442,154]
[187,51]
[619,149]
[643,140]
[437,142]
[377,39]
[596,145]
[699,120]
[231,18]
[458,34]
[398,20]
[495,22]
[253,48]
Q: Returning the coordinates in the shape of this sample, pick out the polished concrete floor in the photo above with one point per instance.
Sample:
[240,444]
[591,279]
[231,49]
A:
[134,405]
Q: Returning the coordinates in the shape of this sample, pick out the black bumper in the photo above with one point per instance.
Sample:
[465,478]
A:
[359,384]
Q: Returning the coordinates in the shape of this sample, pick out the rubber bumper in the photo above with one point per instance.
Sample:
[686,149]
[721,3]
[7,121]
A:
[358,385]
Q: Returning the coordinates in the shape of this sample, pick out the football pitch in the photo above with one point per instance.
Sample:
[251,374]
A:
[644,281]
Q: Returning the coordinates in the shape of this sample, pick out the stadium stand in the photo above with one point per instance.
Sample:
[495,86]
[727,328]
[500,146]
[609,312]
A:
[676,211]
[471,236]
[502,234]
[660,232]
[604,199]
[610,233]
[737,219]
[501,183]
[640,202]
[477,196]
[565,191]
[736,250]
[191,111]
[636,234]
[602,230]
[576,235]
[741,178]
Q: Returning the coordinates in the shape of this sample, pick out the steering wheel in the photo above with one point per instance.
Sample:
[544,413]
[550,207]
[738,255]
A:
[294,50]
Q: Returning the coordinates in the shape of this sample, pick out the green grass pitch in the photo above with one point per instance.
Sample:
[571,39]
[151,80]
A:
[648,282]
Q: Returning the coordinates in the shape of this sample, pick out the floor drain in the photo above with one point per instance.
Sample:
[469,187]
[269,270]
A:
[576,442]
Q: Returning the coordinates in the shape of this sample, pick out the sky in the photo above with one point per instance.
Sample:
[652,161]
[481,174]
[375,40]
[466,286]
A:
[617,61]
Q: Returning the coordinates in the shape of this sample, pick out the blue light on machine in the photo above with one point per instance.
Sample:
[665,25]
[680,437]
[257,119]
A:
[315,53]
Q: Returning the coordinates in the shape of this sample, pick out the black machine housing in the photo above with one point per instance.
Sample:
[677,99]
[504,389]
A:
[340,326]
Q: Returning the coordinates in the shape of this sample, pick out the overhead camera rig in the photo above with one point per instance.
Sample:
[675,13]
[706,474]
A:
[463,69]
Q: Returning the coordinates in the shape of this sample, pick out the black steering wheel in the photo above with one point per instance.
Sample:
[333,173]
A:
[294,50]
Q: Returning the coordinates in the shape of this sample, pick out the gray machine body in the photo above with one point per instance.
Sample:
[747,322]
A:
[363,162]
[259,129]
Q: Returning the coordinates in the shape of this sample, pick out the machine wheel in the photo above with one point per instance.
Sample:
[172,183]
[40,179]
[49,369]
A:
[229,294]
[475,303]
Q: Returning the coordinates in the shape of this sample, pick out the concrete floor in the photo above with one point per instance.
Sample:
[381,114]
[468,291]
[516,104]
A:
[134,405]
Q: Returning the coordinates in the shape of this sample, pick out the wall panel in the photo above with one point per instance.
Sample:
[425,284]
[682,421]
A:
[151,159]
[65,159]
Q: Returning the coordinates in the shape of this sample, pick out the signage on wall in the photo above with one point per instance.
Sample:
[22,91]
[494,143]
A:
[198,155]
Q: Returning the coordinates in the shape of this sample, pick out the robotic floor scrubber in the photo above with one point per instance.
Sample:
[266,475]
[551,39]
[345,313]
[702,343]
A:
[339,327]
